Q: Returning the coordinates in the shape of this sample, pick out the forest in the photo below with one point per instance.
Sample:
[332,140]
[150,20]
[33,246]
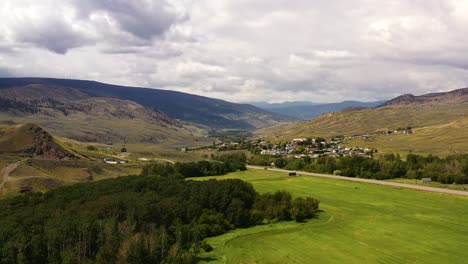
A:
[450,169]
[136,219]
[221,165]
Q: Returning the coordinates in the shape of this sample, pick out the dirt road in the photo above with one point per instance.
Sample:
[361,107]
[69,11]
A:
[393,184]
[166,160]
[5,173]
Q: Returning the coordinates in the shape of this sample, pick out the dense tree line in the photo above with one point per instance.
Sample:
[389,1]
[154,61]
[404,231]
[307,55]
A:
[135,219]
[451,169]
[280,206]
[221,165]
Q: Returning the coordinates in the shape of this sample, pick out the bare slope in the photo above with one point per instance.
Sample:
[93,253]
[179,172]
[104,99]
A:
[30,140]
[32,158]
[202,111]
[75,114]
[455,96]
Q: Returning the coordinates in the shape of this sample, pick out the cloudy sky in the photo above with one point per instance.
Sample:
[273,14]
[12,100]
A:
[243,50]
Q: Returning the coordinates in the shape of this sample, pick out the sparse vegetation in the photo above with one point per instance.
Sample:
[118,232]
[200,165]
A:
[438,129]
[91,148]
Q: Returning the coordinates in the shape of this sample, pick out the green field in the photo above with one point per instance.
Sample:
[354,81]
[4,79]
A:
[360,223]
[458,187]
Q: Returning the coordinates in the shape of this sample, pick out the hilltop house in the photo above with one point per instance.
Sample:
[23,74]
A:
[114,161]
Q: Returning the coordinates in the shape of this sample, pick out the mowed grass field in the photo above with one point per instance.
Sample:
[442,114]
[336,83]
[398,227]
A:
[360,223]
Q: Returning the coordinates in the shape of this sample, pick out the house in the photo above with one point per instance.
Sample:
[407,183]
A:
[110,161]
[299,140]
[114,161]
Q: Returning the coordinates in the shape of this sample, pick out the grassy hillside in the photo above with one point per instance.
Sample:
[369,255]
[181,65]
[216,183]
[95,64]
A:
[437,127]
[306,111]
[31,157]
[360,223]
[30,140]
[204,111]
[74,114]
[442,139]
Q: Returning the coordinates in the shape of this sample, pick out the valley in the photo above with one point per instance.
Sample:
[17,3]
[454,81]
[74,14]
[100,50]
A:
[371,209]
[360,223]
[187,132]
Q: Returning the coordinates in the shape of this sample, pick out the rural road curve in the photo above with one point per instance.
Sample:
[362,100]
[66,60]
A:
[393,184]
[5,173]
[166,160]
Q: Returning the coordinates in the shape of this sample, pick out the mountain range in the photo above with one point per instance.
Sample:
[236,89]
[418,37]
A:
[303,110]
[455,96]
[198,110]
[439,122]
[75,114]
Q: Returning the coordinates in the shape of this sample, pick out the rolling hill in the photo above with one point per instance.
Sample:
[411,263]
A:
[32,159]
[455,96]
[202,111]
[309,110]
[78,115]
[438,121]
[30,140]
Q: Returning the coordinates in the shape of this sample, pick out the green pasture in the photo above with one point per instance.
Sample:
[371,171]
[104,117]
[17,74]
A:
[360,223]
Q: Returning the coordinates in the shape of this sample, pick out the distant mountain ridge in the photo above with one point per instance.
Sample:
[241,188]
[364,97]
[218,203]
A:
[308,110]
[455,96]
[199,110]
[75,114]
[438,120]
[48,100]
[265,105]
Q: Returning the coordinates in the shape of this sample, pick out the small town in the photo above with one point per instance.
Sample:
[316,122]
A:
[314,148]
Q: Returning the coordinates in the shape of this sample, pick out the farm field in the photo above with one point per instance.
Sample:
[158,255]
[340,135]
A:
[360,223]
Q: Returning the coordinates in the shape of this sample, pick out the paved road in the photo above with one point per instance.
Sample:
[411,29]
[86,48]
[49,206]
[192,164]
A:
[393,184]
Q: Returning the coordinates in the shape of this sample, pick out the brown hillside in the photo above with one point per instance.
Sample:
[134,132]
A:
[30,140]
[75,114]
[438,122]
[455,96]
[59,101]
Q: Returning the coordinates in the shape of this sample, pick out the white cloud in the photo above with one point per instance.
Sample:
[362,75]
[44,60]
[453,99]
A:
[246,50]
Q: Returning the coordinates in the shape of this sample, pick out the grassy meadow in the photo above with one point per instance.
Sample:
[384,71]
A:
[458,187]
[438,140]
[360,223]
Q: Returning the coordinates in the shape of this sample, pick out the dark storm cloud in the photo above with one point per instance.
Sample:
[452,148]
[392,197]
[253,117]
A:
[60,26]
[143,19]
[56,37]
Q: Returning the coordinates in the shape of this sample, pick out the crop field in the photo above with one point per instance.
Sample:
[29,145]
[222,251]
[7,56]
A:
[360,223]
